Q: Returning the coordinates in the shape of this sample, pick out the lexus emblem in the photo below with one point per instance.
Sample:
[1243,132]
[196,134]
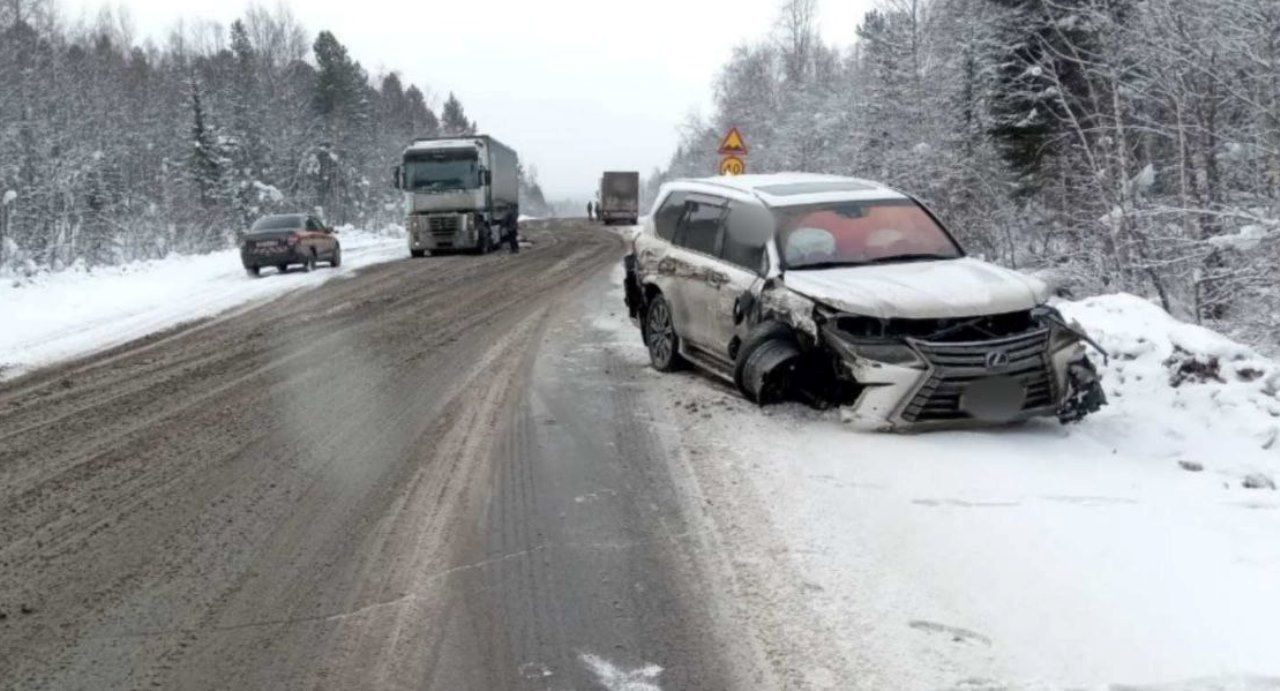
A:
[997,359]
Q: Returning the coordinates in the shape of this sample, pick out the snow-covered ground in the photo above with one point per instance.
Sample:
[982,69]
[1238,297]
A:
[55,316]
[1141,546]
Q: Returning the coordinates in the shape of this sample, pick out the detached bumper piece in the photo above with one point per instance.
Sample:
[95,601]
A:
[993,381]
[1084,392]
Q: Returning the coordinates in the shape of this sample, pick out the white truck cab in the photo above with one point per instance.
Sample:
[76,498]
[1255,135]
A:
[461,193]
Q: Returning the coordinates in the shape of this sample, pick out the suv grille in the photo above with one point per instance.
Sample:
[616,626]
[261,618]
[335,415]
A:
[953,365]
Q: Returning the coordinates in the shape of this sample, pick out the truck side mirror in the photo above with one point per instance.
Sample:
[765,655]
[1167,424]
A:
[395,178]
[486,177]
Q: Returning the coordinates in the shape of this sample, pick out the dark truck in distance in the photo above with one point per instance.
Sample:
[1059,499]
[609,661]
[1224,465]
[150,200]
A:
[286,240]
[461,193]
[619,197]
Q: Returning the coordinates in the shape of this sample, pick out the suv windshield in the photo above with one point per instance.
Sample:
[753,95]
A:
[278,223]
[852,233]
[442,170]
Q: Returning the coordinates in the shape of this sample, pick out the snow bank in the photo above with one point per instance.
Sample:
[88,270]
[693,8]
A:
[1183,390]
[1141,546]
[50,317]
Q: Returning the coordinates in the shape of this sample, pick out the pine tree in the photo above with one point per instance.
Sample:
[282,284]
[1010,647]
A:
[425,122]
[206,164]
[453,119]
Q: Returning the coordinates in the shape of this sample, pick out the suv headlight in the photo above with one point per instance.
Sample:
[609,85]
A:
[889,352]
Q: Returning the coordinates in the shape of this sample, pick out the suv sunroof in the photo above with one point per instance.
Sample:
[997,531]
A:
[793,188]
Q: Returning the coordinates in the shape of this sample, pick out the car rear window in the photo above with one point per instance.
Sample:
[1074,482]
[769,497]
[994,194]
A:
[279,223]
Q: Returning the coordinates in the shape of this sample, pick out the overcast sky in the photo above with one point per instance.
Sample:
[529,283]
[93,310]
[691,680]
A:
[576,86]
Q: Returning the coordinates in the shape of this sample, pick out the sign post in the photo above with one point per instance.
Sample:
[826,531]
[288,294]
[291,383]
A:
[733,153]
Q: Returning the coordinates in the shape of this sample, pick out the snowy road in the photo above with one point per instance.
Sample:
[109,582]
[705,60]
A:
[362,485]
[461,473]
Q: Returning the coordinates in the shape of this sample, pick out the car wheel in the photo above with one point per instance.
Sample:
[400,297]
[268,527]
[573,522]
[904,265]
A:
[766,364]
[336,261]
[417,254]
[253,271]
[660,335]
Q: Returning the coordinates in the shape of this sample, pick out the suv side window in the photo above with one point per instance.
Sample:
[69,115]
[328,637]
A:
[667,217]
[700,227]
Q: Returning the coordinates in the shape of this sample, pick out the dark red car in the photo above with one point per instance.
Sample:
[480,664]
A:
[286,240]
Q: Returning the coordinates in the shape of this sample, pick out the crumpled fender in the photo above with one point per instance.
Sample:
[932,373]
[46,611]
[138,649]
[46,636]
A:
[789,307]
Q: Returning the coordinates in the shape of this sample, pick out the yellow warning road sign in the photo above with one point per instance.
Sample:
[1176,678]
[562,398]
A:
[733,144]
[732,165]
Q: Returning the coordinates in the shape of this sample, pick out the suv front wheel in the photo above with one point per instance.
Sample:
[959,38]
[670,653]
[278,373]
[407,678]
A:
[660,335]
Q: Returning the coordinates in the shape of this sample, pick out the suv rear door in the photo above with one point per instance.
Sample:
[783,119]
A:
[698,271]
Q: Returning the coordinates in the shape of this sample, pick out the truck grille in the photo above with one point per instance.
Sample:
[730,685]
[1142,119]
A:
[444,227]
[953,365]
[443,224]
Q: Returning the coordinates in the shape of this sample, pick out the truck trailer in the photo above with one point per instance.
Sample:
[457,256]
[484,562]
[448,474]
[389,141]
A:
[461,193]
[619,197]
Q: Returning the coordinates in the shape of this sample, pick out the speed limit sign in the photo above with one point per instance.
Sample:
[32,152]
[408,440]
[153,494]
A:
[732,165]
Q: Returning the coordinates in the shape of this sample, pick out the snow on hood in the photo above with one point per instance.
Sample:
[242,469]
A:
[921,290]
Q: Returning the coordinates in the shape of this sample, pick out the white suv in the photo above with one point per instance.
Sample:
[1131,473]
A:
[839,291]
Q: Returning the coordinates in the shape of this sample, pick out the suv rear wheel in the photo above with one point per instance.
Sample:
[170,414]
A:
[660,335]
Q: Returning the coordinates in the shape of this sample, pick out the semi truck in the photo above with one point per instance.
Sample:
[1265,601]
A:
[619,197]
[461,194]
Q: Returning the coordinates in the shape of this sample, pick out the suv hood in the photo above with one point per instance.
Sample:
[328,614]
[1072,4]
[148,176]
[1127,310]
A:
[920,290]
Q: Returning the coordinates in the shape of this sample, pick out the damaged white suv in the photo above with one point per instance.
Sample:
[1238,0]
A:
[838,291]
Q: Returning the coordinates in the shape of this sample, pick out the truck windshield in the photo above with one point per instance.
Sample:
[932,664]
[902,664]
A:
[442,170]
[852,233]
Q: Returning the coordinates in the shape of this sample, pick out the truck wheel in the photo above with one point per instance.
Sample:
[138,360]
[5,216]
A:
[417,254]
[660,336]
[253,271]
[766,363]
[336,260]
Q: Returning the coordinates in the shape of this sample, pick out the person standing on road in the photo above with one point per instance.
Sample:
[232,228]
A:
[591,211]
[513,237]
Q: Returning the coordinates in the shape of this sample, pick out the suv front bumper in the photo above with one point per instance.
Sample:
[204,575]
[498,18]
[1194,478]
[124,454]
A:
[975,383]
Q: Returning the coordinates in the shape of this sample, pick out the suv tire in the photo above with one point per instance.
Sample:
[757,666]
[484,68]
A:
[766,360]
[660,335]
